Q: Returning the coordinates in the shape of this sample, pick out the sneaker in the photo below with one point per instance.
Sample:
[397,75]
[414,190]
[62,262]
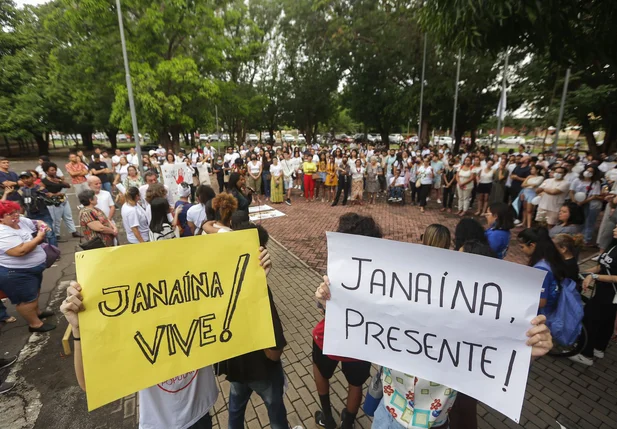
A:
[320,420]
[582,360]
[391,199]
[517,222]
[428,199]
[4,362]
[288,202]
[6,387]
[596,258]
[438,201]
[598,353]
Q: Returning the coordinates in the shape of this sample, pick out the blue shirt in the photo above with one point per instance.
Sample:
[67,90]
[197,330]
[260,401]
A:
[12,177]
[498,240]
[550,288]
[186,231]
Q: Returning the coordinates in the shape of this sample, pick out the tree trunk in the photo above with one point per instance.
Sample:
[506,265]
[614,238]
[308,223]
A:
[473,138]
[426,128]
[458,138]
[385,140]
[112,134]
[175,139]
[7,143]
[187,140]
[42,144]
[164,139]
[591,139]
[86,138]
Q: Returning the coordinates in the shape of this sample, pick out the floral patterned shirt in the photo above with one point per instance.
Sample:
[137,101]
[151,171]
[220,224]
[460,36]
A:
[414,402]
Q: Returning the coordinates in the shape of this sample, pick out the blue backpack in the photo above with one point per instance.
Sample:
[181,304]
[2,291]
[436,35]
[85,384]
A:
[566,321]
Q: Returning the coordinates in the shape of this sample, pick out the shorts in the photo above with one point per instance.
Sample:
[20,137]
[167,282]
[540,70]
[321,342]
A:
[437,182]
[288,182]
[356,373]
[21,285]
[551,218]
[484,188]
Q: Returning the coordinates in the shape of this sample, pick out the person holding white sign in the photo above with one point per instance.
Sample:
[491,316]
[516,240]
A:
[425,403]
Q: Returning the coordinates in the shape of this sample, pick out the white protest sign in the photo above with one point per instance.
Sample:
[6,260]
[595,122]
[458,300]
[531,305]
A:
[174,175]
[453,318]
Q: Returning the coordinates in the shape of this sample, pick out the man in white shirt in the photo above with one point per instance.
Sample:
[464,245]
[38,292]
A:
[209,151]
[231,156]
[151,178]
[115,161]
[160,151]
[105,201]
[132,157]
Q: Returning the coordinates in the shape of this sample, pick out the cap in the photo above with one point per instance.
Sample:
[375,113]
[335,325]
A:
[184,191]
[152,152]
[25,174]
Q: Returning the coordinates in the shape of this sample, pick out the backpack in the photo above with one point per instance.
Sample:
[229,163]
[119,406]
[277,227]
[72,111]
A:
[566,321]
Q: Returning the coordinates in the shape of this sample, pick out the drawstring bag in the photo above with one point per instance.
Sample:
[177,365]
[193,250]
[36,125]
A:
[373,394]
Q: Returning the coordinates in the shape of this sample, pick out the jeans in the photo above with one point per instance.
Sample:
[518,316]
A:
[63,211]
[342,187]
[46,217]
[266,183]
[106,186]
[397,192]
[270,391]
[448,196]
[415,192]
[591,215]
[424,191]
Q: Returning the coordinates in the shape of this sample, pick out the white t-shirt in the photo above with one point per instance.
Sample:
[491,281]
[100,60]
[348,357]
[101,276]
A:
[231,157]
[104,202]
[135,216]
[123,171]
[132,159]
[10,238]
[115,160]
[254,167]
[276,170]
[178,403]
[400,181]
[197,215]
[426,175]
[486,177]
[356,173]
[39,169]
[510,168]
[553,202]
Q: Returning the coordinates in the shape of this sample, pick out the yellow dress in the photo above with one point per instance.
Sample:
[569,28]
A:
[331,177]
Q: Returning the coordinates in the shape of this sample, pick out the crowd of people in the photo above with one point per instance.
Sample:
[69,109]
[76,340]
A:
[554,199]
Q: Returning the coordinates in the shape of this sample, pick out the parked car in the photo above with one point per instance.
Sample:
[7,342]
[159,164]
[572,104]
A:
[343,138]
[535,140]
[483,141]
[121,138]
[395,138]
[444,140]
[288,138]
[203,137]
[301,138]
[252,138]
[513,140]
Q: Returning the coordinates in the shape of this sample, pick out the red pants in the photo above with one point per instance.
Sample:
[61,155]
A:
[309,186]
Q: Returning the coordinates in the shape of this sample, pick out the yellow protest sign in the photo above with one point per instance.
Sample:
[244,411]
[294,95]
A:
[158,310]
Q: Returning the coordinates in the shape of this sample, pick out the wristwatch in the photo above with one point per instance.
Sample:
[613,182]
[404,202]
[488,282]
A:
[595,276]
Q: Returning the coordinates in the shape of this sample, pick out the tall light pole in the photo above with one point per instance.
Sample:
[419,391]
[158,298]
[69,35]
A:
[563,102]
[422,91]
[218,131]
[129,88]
[458,75]
[502,99]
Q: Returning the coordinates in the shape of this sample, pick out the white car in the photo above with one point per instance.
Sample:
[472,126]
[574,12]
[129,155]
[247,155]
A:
[301,138]
[395,138]
[121,137]
[203,137]
[483,141]
[513,140]
[444,140]
[252,138]
[288,138]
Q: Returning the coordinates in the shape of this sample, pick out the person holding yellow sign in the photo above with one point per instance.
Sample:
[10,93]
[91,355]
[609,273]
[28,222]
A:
[182,402]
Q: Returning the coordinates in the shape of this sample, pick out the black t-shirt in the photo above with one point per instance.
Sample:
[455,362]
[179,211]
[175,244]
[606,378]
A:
[255,366]
[521,172]
[99,166]
[605,292]
[54,187]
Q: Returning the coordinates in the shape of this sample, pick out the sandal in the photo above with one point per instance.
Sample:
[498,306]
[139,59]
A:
[10,319]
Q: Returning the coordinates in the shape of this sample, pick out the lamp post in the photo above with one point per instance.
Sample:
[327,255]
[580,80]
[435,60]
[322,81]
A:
[563,102]
[422,91]
[129,88]
[502,102]
[458,75]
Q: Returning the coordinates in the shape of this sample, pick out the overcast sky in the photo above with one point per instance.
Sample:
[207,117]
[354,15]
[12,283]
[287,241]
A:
[23,2]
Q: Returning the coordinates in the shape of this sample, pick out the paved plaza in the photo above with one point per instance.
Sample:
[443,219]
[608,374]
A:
[48,396]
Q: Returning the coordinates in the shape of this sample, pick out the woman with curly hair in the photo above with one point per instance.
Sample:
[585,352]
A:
[225,205]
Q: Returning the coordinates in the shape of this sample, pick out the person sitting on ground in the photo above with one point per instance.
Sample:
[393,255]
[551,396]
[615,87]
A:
[22,261]
[500,221]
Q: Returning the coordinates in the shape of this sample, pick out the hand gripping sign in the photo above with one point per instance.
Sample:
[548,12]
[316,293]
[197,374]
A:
[157,310]
[449,317]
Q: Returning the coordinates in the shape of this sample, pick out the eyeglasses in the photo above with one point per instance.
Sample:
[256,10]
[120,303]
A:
[13,214]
